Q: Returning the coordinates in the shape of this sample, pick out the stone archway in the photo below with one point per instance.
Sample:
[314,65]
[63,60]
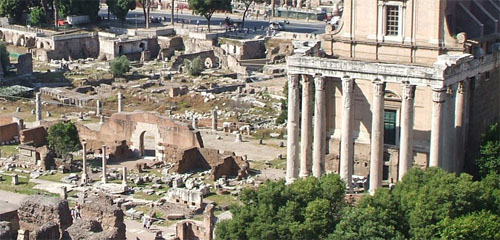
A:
[147,144]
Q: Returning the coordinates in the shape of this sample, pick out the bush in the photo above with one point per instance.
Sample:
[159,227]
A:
[37,16]
[63,138]
[119,66]
[4,57]
[195,67]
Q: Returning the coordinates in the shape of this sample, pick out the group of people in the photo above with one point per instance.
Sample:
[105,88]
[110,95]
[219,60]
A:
[75,212]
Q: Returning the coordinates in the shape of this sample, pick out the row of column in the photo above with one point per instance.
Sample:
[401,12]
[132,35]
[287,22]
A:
[85,176]
[313,146]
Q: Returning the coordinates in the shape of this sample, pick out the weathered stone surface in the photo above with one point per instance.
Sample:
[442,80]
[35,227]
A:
[109,216]
[36,211]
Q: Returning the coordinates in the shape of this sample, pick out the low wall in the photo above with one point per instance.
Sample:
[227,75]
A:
[8,132]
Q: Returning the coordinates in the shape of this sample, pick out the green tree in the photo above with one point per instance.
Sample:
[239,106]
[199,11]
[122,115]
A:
[4,57]
[37,16]
[77,7]
[206,8]
[119,66]
[309,208]
[477,225]
[120,8]
[146,8]
[489,158]
[63,138]
[9,8]
[247,4]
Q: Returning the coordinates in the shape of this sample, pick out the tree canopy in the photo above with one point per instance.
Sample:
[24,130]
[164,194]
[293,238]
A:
[489,159]
[206,8]
[430,204]
[120,8]
[77,7]
[306,209]
[63,138]
[4,57]
[119,66]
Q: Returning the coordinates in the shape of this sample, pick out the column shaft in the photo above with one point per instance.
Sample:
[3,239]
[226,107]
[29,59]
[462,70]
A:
[461,109]
[306,128]
[84,163]
[319,127]
[377,137]
[406,140]
[120,106]
[104,164]
[38,107]
[214,119]
[99,108]
[292,157]
[346,142]
[438,96]
[124,177]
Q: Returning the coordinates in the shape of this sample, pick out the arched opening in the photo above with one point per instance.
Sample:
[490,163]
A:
[147,144]
[120,50]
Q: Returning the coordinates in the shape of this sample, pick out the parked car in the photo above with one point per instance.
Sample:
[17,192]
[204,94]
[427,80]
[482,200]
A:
[277,26]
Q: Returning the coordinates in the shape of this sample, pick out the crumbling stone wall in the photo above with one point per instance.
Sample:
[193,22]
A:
[188,230]
[8,132]
[225,164]
[122,133]
[178,61]
[25,65]
[9,221]
[36,135]
[43,217]
[110,218]
[69,48]
[168,46]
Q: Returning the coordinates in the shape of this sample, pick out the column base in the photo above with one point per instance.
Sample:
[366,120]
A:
[304,175]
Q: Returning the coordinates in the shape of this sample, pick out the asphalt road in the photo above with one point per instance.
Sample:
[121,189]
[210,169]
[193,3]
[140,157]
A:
[293,26]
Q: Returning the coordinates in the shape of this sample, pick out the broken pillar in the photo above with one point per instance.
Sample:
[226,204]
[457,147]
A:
[214,119]
[38,107]
[15,179]
[104,180]
[84,163]
[101,120]
[64,193]
[120,107]
[195,123]
[124,178]
[98,111]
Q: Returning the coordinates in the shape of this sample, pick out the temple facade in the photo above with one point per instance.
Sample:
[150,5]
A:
[400,84]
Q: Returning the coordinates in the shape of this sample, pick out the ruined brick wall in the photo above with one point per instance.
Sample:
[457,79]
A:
[484,110]
[178,61]
[125,129]
[75,48]
[25,65]
[8,132]
[252,50]
[190,159]
[38,215]
[37,134]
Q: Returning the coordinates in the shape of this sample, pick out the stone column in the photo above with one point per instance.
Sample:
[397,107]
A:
[319,127]
[292,156]
[120,106]
[214,119]
[63,194]
[104,164]
[406,139]
[438,96]
[84,163]
[377,137]
[124,178]
[346,142]
[461,123]
[38,107]
[98,111]
[306,127]
[194,123]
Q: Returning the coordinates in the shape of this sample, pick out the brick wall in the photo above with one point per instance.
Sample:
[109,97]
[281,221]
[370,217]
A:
[8,132]
[37,134]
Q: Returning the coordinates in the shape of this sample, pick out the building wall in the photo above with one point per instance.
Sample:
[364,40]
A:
[37,135]
[8,132]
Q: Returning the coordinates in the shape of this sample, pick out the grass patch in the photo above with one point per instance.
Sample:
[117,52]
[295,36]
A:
[222,199]
[54,178]
[277,163]
[142,195]
[8,150]
[24,186]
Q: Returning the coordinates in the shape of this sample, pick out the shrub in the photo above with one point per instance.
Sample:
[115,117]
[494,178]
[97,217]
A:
[119,66]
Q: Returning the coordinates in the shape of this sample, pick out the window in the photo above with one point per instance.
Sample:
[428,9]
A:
[392,21]
[390,127]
